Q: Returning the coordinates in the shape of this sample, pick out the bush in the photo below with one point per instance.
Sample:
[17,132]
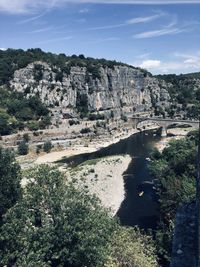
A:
[97,116]
[85,130]
[23,148]
[73,122]
[33,126]
[26,137]
[38,148]
[47,146]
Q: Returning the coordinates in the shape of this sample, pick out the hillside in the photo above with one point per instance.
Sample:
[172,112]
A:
[40,89]
[79,86]
[184,91]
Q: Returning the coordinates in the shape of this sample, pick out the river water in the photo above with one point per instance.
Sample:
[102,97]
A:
[135,210]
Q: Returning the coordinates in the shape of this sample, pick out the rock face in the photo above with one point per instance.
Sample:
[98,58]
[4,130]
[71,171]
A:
[184,252]
[123,89]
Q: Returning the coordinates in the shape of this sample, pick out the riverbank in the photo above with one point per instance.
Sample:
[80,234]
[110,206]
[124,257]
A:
[104,178]
[93,146]
[175,134]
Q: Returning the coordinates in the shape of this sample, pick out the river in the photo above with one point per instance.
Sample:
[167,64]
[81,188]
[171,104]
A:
[135,209]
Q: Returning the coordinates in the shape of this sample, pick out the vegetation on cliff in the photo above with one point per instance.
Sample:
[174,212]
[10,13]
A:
[14,59]
[184,90]
[18,112]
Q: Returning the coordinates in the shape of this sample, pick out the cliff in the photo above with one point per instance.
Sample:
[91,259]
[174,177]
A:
[122,89]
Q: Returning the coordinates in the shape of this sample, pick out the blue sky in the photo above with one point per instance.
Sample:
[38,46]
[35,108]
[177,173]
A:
[161,36]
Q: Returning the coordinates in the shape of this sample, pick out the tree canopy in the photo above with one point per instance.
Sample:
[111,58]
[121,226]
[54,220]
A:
[175,171]
[10,177]
[58,224]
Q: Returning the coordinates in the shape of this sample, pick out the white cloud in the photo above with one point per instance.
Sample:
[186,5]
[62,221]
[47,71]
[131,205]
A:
[3,49]
[84,10]
[157,33]
[169,29]
[181,63]
[42,30]
[144,19]
[106,27]
[24,6]
[150,64]
[129,22]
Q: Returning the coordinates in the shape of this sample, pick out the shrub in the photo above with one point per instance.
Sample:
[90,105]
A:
[85,130]
[26,137]
[33,126]
[47,146]
[23,148]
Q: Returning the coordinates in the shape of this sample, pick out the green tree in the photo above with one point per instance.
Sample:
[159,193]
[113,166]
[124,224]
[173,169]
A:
[47,146]
[55,225]
[26,137]
[23,148]
[4,123]
[131,248]
[10,177]
[175,171]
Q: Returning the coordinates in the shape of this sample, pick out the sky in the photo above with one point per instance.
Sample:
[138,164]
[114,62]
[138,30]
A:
[162,36]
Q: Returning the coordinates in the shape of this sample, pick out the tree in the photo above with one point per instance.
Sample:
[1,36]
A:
[4,123]
[55,225]
[131,248]
[175,171]
[47,146]
[23,148]
[26,137]
[10,177]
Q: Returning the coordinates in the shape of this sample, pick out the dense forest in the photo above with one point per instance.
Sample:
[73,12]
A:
[175,170]
[53,224]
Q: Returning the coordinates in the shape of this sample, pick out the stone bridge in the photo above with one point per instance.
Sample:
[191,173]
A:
[147,122]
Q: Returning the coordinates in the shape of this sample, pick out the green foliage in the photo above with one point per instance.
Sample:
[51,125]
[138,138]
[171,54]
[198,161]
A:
[23,148]
[193,112]
[47,146]
[184,89]
[59,76]
[85,130]
[38,72]
[94,117]
[33,126]
[11,60]
[131,248]
[175,170]
[16,111]
[4,123]
[26,137]
[82,103]
[10,177]
[55,225]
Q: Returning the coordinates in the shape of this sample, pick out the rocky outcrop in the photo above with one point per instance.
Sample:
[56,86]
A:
[184,252]
[123,89]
